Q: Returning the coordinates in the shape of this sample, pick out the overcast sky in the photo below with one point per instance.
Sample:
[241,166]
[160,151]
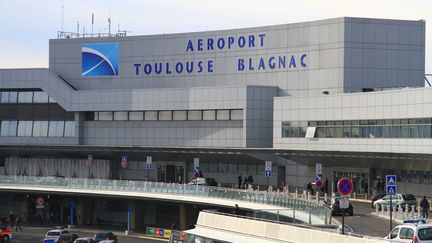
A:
[26,25]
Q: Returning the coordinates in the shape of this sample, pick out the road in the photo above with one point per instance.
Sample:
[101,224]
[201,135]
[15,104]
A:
[364,223]
[34,235]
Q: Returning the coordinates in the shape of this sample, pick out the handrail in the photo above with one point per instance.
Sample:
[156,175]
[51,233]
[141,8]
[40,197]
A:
[283,200]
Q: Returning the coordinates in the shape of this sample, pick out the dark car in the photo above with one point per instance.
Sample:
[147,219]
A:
[376,196]
[105,236]
[336,210]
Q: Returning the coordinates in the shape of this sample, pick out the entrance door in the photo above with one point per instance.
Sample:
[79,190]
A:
[280,176]
[170,173]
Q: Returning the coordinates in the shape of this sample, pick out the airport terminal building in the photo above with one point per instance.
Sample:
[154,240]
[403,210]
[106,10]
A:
[346,92]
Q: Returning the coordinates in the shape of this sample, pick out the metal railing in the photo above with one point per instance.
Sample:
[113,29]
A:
[312,208]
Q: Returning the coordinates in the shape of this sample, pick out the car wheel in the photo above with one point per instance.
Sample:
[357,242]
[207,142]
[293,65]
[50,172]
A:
[351,213]
[6,238]
[379,207]
[373,205]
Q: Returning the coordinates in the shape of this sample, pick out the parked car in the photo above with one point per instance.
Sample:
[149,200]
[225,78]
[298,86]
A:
[398,200]
[376,196]
[59,236]
[102,236]
[415,231]
[203,181]
[5,234]
[336,210]
[84,240]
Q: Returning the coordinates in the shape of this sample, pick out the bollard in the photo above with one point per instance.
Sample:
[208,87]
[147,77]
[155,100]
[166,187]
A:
[325,197]
[317,196]
[296,192]
[376,209]
[355,195]
[366,196]
[304,194]
[406,211]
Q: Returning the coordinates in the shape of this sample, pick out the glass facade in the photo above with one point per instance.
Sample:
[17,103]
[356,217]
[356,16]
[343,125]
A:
[385,128]
[25,97]
[37,128]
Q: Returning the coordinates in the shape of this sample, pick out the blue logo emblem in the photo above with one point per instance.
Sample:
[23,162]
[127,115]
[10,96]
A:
[99,59]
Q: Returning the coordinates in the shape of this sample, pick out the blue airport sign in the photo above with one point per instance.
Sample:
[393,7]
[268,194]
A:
[268,173]
[391,190]
[390,179]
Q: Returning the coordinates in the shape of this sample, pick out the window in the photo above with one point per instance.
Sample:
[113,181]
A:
[120,115]
[394,233]
[105,116]
[13,97]
[25,128]
[40,128]
[406,233]
[55,128]
[25,97]
[236,114]
[151,115]
[8,129]
[222,115]
[4,97]
[232,168]
[209,115]
[179,115]
[194,115]
[69,129]
[165,115]
[40,97]
[136,116]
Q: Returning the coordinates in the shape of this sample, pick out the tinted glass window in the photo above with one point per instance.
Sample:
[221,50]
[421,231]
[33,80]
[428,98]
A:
[425,234]
[394,233]
[55,233]
[403,233]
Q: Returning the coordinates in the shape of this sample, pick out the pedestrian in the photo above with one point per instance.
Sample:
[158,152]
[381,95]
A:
[239,180]
[309,188]
[11,219]
[245,183]
[237,210]
[424,205]
[378,186]
[18,224]
[325,185]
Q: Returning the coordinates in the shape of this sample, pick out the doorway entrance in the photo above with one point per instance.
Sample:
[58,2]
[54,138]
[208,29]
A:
[170,172]
[359,177]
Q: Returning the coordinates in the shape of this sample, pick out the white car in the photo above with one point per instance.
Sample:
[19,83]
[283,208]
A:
[55,234]
[415,231]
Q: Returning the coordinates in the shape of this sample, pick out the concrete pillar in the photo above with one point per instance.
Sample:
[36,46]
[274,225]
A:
[183,217]
[24,209]
[80,211]
[133,215]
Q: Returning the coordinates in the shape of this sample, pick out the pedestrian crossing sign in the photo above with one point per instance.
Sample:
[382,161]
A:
[391,190]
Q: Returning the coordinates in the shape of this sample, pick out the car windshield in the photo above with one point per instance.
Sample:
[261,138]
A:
[101,236]
[53,233]
[425,234]
[81,241]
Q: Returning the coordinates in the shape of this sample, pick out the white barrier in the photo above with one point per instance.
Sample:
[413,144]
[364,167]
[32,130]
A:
[261,231]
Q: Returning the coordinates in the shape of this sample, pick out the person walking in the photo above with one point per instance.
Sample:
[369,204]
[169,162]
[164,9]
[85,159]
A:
[239,180]
[424,205]
[18,224]
[309,188]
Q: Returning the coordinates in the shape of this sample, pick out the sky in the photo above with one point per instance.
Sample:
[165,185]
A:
[27,25]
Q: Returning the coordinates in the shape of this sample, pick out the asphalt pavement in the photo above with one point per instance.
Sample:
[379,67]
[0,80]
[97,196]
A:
[36,234]
[364,223]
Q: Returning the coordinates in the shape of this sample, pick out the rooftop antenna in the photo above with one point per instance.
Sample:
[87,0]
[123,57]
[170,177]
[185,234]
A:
[78,28]
[109,20]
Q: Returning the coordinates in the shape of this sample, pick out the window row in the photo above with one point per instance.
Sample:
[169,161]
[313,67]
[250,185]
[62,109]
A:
[232,168]
[37,128]
[25,97]
[191,115]
[390,128]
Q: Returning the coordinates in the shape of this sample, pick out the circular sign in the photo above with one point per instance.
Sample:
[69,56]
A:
[40,201]
[318,183]
[345,186]
[124,164]
[196,173]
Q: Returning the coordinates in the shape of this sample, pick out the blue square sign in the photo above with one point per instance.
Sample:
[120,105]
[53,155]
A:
[391,190]
[391,180]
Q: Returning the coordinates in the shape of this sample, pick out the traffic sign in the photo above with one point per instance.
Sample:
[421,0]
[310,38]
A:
[318,169]
[49,241]
[268,168]
[391,190]
[344,202]
[318,177]
[124,162]
[149,162]
[345,186]
[196,163]
[390,179]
